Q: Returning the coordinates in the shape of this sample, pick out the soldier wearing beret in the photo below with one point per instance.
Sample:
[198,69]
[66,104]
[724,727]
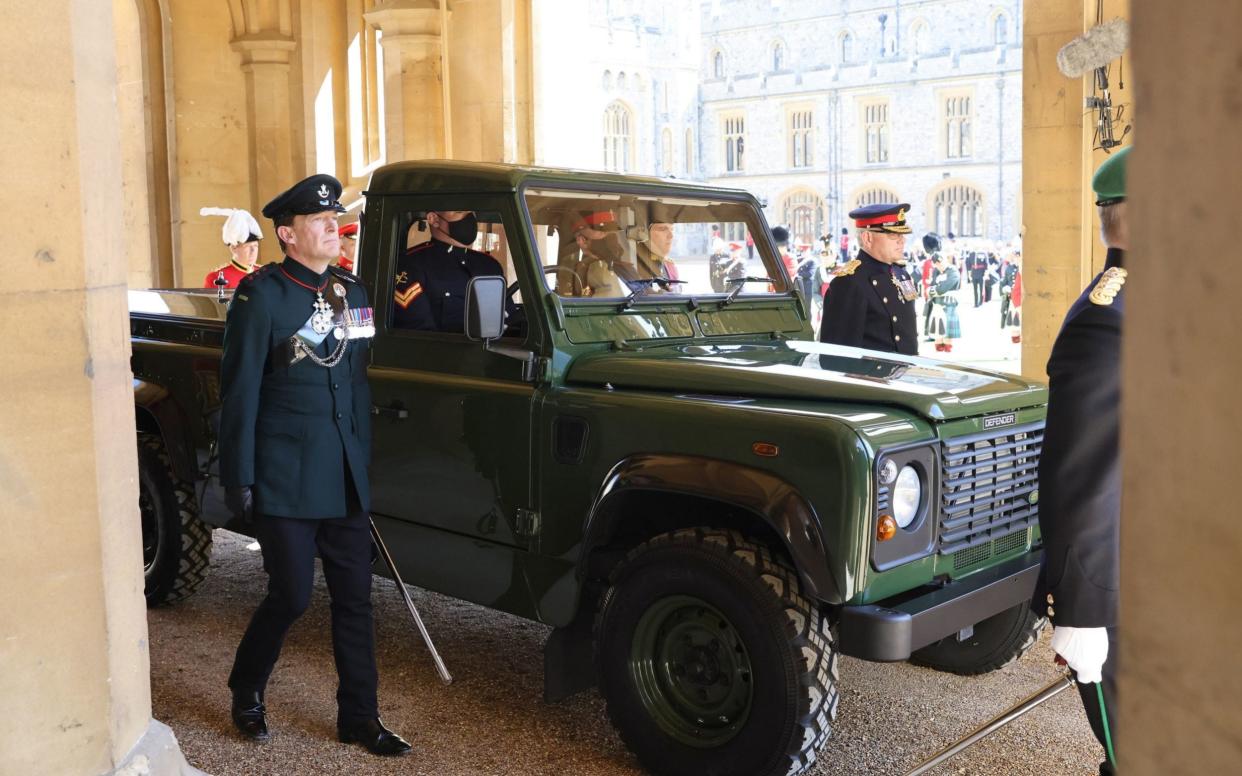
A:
[1080,472]
[870,302]
[241,233]
[294,448]
[430,289]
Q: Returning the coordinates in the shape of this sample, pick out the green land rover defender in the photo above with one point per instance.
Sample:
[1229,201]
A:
[641,445]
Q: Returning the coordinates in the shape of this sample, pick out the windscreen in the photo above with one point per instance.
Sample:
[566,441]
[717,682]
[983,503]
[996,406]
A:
[614,245]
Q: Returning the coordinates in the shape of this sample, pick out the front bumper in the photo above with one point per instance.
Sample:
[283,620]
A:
[890,633]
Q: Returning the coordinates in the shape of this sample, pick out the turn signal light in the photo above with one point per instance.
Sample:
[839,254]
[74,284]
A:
[765,449]
[886,529]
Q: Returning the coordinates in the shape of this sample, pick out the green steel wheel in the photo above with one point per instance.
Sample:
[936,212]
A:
[710,659]
[691,670]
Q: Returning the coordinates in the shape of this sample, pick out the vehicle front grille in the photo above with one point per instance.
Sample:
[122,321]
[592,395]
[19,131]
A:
[989,493]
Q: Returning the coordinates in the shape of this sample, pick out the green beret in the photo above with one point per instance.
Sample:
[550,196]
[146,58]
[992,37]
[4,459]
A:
[1109,182]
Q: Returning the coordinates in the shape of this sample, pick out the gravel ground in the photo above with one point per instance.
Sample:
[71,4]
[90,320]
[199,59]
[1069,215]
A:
[492,720]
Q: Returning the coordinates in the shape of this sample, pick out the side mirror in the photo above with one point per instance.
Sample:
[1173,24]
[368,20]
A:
[485,307]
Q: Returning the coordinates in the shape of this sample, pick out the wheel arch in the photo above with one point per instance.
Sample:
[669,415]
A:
[667,492]
[156,412]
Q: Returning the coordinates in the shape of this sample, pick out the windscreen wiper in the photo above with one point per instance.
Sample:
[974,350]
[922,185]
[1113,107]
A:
[740,284]
[661,282]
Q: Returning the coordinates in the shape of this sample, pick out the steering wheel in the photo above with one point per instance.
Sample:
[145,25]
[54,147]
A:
[576,286]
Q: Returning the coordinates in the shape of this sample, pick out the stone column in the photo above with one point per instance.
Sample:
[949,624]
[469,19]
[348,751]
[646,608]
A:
[1181,680]
[265,61]
[413,91]
[74,667]
[490,94]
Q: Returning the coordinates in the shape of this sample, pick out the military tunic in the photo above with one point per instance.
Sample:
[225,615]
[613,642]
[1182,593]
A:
[234,273]
[430,289]
[293,433]
[866,308]
[1080,479]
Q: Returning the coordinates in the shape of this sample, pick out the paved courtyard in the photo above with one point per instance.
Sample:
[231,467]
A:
[492,720]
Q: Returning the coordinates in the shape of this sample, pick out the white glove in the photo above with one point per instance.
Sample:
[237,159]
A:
[1085,649]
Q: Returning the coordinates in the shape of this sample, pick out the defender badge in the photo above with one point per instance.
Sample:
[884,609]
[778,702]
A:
[997,421]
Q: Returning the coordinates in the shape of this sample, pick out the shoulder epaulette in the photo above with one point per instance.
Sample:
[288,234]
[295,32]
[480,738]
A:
[848,269]
[344,274]
[419,247]
[1108,286]
[258,272]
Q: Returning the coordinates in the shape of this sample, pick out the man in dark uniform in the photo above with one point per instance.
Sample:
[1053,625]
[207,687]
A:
[295,443]
[1080,472]
[870,302]
[430,289]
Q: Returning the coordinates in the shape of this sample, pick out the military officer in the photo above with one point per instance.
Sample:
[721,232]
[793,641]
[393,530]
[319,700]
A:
[294,447]
[870,302]
[1080,472]
[241,233]
[430,289]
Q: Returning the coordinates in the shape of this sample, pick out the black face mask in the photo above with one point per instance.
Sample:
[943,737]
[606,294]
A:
[463,231]
[607,248]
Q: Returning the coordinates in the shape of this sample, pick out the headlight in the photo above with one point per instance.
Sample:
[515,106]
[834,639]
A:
[907,494]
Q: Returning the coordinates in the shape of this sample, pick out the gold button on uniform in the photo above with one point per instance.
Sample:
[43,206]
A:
[1051,612]
[894,319]
[1050,599]
[896,338]
[886,300]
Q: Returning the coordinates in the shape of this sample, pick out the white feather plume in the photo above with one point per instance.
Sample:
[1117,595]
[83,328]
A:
[238,224]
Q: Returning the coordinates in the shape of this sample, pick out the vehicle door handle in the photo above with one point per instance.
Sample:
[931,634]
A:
[394,412]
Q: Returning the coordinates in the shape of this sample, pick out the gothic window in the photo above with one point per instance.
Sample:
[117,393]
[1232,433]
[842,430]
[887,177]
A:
[958,208]
[620,80]
[666,150]
[847,48]
[804,212]
[618,138]
[734,143]
[876,195]
[920,34]
[778,56]
[607,79]
[718,65]
[958,114]
[1000,30]
[875,131]
[801,137]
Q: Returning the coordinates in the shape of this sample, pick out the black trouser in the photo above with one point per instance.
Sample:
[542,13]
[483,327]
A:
[1091,702]
[289,549]
[1004,310]
[977,285]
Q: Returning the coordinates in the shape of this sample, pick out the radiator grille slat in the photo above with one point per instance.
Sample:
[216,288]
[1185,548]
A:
[986,504]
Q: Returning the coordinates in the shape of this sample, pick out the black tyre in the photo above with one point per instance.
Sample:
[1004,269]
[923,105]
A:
[176,545]
[997,641]
[711,661]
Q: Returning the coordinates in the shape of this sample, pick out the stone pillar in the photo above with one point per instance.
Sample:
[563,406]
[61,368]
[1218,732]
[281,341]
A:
[74,666]
[1181,680]
[413,91]
[265,61]
[1061,250]
[490,70]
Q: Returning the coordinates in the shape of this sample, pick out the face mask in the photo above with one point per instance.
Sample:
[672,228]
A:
[465,230]
[607,248]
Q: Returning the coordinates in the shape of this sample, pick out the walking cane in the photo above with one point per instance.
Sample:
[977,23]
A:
[1063,682]
[409,603]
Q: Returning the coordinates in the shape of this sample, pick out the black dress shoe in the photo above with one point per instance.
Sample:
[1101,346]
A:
[249,714]
[372,734]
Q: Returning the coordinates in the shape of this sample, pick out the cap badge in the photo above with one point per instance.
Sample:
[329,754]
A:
[323,191]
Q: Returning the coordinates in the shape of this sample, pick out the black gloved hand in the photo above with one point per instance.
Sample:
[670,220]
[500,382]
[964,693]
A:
[241,503]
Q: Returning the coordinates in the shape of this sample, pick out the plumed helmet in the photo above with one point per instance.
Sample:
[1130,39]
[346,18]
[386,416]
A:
[239,226]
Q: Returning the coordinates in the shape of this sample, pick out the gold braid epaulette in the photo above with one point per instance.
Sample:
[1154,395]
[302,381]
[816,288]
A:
[848,269]
[1108,287]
